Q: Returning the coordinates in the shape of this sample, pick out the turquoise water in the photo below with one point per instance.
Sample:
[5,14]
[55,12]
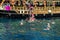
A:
[10,29]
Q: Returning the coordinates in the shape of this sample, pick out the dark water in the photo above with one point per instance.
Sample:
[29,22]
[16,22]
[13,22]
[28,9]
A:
[10,29]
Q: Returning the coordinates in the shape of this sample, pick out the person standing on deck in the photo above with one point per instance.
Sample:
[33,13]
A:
[1,4]
[7,6]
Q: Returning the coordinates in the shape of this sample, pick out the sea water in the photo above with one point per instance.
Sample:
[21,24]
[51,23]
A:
[10,29]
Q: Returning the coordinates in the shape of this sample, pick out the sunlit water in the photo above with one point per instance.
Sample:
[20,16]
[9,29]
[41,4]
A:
[19,29]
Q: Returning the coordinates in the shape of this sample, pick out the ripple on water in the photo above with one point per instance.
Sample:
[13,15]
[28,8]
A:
[34,28]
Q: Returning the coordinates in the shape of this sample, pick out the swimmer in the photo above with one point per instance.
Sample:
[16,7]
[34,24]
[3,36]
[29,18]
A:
[48,28]
[21,23]
[48,25]
[31,19]
[53,22]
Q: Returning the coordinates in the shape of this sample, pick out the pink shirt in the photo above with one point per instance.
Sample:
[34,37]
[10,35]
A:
[7,7]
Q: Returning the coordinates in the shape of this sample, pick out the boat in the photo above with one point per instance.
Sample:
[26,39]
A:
[39,7]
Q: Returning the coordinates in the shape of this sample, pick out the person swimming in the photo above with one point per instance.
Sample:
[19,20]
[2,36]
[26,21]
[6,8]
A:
[21,23]
[32,19]
[31,15]
[48,26]
[52,21]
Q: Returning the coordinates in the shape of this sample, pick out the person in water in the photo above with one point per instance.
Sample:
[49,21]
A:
[48,26]
[21,23]
[31,15]
[32,18]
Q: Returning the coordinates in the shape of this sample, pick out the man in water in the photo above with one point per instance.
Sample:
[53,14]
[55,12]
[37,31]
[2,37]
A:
[31,19]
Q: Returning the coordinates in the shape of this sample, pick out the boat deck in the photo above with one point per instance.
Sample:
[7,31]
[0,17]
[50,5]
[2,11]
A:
[36,10]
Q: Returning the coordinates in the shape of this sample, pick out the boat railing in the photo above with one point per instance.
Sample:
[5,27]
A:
[38,10]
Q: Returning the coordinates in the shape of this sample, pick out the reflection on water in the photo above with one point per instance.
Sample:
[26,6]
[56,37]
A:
[10,29]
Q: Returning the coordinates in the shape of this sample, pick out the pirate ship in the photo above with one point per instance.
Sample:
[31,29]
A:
[25,7]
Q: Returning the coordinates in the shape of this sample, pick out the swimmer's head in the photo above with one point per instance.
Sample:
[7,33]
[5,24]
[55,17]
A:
[21,23]
[53,22]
